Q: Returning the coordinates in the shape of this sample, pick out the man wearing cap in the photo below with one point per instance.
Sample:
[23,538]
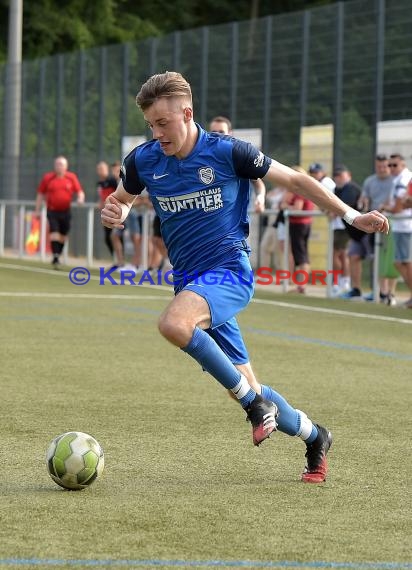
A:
[401,228]
[340,235]
[317,172]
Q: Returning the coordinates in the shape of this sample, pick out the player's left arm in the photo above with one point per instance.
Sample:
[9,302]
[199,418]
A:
[306,186]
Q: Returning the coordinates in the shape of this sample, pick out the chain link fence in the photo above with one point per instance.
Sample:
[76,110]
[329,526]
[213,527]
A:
[348,64]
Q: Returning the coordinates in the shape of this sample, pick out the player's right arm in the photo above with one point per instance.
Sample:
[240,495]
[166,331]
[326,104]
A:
[118,204]
[117,207]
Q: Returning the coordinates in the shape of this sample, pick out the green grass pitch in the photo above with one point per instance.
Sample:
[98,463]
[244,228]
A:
[182,480]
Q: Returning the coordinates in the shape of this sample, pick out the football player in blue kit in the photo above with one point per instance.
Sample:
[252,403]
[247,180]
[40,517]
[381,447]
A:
[199,186]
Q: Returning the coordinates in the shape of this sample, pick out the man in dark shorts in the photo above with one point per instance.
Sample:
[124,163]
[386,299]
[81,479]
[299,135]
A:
[159,254]
[106,185]
[57,188]
[359,247]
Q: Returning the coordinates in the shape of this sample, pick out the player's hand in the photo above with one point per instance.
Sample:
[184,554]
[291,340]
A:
[372,222]
[112,213]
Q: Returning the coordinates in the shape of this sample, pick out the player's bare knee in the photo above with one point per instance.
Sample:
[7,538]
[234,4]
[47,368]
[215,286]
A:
[175,330]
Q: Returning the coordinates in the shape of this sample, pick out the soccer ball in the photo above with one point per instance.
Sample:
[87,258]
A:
[74,460]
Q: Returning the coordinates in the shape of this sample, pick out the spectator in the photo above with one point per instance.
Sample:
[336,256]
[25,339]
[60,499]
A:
[317,172]
[299,230]
[223,126]
[402,229]
[106,185]
[280,227]
[57,188]
[269,244]
[359,244]
[133,225]
[115,169]
[340,235]
[407,202]
[376,190]
[159,252]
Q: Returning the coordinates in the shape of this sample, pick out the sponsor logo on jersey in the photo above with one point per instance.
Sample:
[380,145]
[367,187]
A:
[259,160]
[206,175]
[207,200]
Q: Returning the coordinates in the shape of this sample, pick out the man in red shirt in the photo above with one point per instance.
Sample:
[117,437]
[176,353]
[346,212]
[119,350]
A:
[299,230]
[57,188]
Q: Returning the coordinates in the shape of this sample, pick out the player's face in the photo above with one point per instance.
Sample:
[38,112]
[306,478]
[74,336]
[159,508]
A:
[168,119]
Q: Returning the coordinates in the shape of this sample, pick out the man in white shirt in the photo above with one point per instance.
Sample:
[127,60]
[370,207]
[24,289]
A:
[401,228]
[340,235]
[376,190]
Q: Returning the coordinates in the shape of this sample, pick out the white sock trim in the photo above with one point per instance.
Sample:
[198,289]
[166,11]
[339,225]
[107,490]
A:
[306,426]
[241,388]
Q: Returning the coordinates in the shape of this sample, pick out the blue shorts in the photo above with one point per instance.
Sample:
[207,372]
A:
[230,340]
[227,290]
[403,246]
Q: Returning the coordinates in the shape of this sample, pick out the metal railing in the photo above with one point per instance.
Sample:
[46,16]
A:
[13,214]
[329,263]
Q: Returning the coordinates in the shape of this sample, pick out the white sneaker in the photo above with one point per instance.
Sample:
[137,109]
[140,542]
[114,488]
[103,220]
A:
[127,267]
[336,291]
[390,300]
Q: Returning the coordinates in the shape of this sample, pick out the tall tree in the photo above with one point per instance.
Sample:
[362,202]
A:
[57,26]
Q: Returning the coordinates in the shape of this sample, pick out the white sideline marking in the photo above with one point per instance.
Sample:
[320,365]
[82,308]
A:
[333,311]
[60,273]
[168,289]
[81,296]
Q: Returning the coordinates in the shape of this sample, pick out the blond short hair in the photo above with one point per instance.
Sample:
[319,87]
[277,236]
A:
[168,84]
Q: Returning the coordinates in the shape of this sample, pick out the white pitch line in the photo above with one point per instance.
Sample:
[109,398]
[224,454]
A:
[81,296]
[333,311]
[60,273]
[168,289]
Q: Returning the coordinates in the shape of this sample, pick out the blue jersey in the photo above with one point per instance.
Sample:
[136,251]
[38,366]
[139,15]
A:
[202,200]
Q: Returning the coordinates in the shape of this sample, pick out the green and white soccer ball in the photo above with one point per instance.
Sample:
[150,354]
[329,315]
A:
[74,460]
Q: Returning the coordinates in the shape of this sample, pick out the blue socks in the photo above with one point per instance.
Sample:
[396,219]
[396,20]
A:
[204,349]
[288,419]
[291,421]
[211,357]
